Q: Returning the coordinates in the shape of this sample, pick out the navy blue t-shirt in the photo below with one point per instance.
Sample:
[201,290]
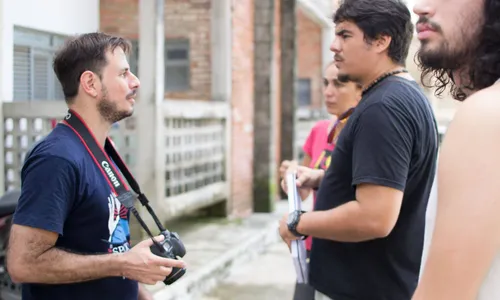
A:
[64,191]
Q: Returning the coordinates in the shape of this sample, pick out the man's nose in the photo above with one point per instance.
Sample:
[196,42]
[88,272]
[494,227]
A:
[135,83]
[335,46]
[423,8]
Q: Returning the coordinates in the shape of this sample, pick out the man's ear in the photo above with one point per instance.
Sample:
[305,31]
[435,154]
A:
[382,43]
[89,82]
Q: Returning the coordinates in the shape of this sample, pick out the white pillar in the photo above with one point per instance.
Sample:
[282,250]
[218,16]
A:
[2,62]
[7,52]
[328,35]
[221,53]
[150,156]
[221,29]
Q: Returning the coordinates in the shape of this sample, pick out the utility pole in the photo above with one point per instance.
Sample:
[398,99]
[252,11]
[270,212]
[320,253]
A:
[288,77]
[263,130]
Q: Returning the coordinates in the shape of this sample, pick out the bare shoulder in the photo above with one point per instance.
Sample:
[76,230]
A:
[473,135]
[485,102]
[479,113]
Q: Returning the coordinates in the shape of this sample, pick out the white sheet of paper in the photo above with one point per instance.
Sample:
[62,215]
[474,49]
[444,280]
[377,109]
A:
[299,253]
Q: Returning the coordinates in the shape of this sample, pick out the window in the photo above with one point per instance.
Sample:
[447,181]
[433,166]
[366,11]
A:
[177,66]
[304,92]
[34,78]
[133,59]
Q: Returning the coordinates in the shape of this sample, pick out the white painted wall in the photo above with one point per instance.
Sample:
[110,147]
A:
[328,35]
[66,17]
[327,40]
[1,51]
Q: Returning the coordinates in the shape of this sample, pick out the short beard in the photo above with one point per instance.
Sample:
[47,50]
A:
[109,109]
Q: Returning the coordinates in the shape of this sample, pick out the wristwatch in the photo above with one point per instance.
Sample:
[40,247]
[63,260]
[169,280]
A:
[293,221]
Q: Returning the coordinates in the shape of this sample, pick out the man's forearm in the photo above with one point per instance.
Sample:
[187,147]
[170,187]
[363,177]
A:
[57,266]
[346,223]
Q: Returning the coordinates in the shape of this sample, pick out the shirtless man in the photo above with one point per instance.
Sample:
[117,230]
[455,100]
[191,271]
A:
[460,42]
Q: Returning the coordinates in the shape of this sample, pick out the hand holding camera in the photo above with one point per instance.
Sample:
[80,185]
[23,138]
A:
[141,264]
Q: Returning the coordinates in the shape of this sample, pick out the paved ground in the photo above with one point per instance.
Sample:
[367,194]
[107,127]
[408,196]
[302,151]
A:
[6,295]
[269,277]
[216,247]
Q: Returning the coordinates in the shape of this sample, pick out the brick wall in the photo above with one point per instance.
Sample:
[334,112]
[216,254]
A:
[191,19]
[242,107]
[309,56]
[184,19]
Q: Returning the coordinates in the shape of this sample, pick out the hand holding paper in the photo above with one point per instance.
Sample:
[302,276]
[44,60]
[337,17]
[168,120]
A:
[298,247]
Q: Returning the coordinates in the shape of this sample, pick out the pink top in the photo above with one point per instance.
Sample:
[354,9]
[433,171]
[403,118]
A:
[317,147]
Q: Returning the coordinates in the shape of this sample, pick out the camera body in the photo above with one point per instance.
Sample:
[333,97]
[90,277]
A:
[173,248]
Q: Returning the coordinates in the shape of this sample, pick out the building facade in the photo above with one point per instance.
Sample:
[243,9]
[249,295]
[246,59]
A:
[209,62]
[29,39]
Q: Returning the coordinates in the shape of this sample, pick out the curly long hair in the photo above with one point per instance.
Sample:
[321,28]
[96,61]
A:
[481,62]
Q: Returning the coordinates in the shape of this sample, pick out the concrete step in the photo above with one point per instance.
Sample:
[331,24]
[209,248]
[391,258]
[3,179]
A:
[215,246]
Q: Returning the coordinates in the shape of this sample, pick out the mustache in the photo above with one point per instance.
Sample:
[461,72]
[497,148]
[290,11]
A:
[132,94]
[425,20]
[337,57]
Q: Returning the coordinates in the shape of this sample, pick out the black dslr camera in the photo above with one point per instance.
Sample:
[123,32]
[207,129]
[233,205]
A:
[173,248]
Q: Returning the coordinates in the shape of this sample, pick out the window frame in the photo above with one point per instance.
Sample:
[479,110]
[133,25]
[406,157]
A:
[42,45]
[299,82]
[170,44]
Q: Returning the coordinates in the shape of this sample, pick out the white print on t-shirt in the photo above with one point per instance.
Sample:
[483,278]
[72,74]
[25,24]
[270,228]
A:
[119,231]
[113,205]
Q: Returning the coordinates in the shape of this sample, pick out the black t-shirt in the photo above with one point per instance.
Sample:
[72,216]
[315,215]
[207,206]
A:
[389,140]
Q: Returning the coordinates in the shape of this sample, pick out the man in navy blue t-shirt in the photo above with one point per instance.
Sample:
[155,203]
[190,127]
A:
[70,238]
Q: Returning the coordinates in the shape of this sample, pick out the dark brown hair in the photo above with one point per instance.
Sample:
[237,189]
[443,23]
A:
[86,52]
[380,17]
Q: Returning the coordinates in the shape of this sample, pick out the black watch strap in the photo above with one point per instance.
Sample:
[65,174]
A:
[293,226]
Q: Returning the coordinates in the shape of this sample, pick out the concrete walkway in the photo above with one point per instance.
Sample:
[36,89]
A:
[269,277]
[215,248]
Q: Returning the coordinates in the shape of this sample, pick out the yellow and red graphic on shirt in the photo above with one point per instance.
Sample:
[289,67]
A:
[323,161]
